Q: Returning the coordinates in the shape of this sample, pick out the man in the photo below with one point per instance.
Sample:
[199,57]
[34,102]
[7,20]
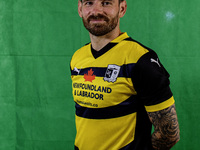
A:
[119,86]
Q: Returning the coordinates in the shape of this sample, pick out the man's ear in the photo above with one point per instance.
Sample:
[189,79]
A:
[80,8]
[123,7]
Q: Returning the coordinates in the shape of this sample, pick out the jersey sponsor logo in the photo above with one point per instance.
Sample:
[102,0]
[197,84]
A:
[89,76]
[88,94]
[90,90]
[92,87]
[155,61]
[112,73]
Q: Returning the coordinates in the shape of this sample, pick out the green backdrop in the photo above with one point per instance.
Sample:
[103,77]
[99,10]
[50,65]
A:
[37,40]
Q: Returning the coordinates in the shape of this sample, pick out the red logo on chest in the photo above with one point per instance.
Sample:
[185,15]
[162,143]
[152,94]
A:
[89,76]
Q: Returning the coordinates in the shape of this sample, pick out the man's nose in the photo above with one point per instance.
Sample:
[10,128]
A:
[97,9]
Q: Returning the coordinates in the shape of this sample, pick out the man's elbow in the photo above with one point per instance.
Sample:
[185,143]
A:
[164,142]
[175,140]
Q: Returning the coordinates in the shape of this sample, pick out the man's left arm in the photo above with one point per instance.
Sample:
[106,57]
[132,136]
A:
[166,128]
[151,81]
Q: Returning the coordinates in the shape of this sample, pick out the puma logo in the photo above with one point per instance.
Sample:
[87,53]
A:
[77,70]
[155,61]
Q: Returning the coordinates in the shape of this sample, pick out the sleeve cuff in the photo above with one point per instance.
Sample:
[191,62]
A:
[160,106]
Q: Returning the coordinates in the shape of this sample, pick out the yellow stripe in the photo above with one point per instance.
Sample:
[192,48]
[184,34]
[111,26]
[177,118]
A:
[105,134]
[160,106]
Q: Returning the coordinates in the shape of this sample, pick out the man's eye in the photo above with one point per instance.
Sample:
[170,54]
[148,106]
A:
[88,3]
[106,3]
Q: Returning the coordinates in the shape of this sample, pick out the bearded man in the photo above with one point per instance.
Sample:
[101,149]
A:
[120,87]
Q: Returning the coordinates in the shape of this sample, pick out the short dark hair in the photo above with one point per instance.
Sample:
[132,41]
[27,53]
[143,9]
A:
[119,0]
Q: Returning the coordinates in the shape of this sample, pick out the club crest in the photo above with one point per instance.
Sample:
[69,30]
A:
[112,73]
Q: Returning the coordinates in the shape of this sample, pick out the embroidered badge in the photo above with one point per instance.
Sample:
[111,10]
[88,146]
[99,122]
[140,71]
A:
[112,73]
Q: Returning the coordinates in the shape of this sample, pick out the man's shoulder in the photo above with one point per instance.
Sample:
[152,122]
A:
[135,49]
[137,45]
[86,46]
[82,50]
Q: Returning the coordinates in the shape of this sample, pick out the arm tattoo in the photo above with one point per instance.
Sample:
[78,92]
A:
[166,128]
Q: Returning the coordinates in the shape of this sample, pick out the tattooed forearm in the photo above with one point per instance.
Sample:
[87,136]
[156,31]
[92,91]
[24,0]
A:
[166,128]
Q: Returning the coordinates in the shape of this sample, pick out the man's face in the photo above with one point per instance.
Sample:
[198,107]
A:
[100,16]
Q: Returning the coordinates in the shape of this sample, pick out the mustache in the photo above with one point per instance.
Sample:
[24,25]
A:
[98,16]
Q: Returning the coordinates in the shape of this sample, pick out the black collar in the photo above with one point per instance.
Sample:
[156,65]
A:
[106,48]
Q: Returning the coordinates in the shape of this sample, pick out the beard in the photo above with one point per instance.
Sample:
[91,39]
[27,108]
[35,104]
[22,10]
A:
[100,29]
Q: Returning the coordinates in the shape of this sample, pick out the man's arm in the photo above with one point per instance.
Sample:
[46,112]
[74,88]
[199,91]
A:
[166,128]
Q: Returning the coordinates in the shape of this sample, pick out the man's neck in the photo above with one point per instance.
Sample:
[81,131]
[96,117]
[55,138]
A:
[98,42]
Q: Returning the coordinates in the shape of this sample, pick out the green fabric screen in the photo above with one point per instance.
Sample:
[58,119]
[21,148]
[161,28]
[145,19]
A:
[37,40]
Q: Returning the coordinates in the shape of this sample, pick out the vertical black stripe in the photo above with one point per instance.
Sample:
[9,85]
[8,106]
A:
[142,140]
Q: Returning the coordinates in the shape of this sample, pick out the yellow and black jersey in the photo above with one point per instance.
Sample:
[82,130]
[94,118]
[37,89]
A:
[113,90]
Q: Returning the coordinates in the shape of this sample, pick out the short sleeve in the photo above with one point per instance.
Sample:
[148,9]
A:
[151,82]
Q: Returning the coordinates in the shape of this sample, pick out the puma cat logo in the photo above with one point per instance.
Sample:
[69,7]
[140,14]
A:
[155,61]
[77,70]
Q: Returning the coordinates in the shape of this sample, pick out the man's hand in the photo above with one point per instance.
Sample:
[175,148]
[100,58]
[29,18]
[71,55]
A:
[166,128]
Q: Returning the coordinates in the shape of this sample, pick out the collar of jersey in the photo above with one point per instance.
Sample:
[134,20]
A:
[110,45]
[120,38]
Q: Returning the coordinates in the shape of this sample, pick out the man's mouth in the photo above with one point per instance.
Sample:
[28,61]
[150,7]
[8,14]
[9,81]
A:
[98,19]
